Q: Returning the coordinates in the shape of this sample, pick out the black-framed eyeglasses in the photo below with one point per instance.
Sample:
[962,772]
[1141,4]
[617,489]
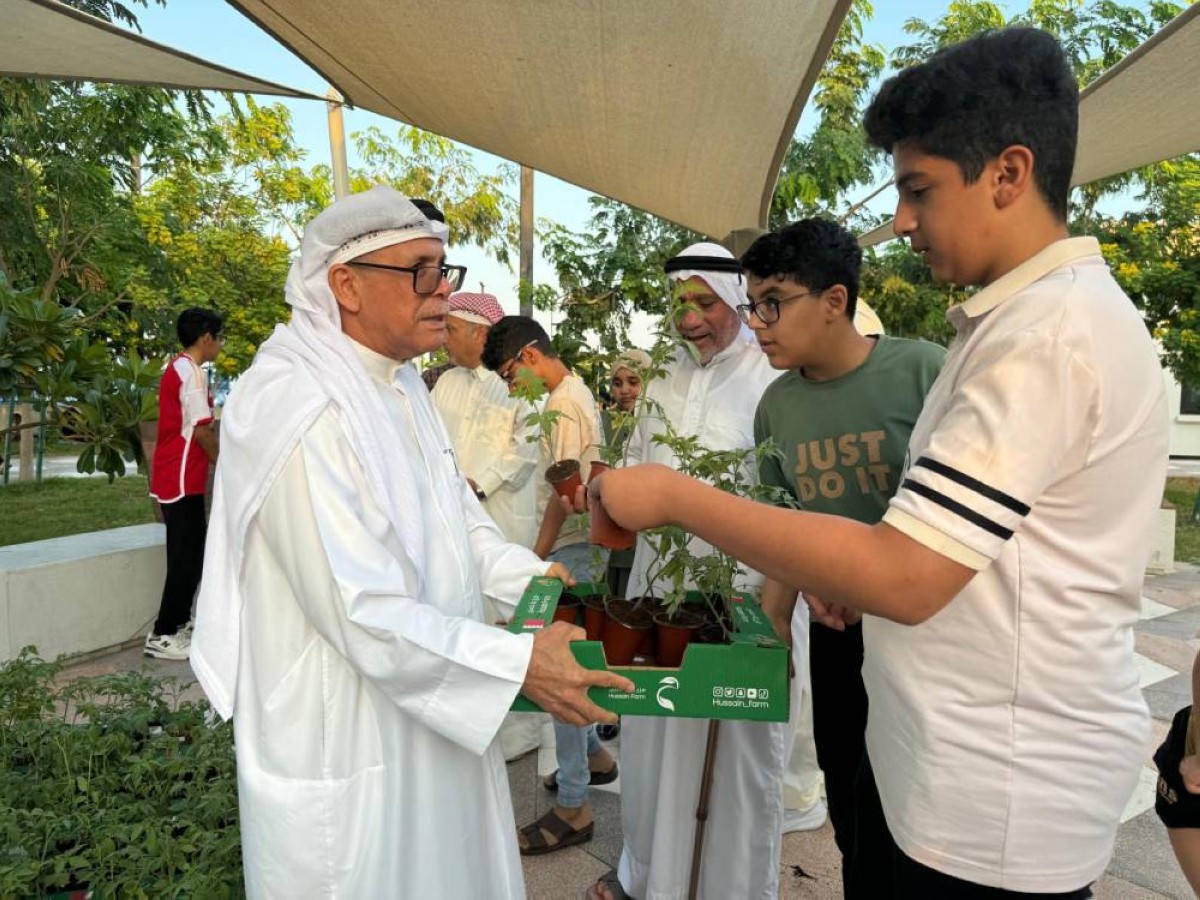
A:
[508,371]
[767,309]
[426,279]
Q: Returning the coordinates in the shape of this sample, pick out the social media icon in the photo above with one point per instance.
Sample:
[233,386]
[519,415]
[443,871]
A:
[752,693]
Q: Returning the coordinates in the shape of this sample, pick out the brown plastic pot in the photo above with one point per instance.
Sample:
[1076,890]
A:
[594,616]
[624,630]
[675,633]
[564,478]
[648,648]
[567,609]
[597,469]
[607,533]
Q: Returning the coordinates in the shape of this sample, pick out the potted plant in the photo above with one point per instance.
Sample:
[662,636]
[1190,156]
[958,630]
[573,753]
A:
[680,566]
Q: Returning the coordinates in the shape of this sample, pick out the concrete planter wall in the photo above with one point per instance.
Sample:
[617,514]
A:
[1162,550]
[82,593]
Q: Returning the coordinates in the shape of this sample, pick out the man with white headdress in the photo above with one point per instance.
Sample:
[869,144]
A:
[486,426]
[710,391]
[488,432]
[340,621]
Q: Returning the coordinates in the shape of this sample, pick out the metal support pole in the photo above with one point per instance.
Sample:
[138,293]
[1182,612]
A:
[8,434]
[706,780]
[527,236]
[337,145]
[41,445]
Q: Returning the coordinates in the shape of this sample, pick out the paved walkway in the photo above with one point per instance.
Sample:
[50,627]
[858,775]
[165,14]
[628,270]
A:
[1142,868]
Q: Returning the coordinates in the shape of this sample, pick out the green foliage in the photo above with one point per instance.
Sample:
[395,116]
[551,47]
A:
[419,164]
[1153,252]
[607,274]
[1155,256]
[116,783]
[822,167]
[676,562]
[897,284]
[99,398]
[217,226]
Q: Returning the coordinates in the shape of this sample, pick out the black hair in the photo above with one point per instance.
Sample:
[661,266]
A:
[194,323]
[816,253]
[968,102]
[428,210]
[509,335]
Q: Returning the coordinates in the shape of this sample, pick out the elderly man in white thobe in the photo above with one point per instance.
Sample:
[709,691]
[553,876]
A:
[340,622]
[710,390]
[486,426]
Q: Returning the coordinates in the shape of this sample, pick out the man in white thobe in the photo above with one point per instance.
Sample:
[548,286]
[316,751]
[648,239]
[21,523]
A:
[486,426]
[341,623]
[488,432]
[710,390]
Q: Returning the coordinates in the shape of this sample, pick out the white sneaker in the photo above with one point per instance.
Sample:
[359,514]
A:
[166,646]
[805,819]
[185,632]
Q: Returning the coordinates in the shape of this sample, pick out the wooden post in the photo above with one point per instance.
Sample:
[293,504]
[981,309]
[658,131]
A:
[706,780]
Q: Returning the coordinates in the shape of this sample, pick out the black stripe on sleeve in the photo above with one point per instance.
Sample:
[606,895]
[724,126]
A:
[977,486]
[958,509]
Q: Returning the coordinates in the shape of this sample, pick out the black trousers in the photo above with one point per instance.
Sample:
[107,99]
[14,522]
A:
[187,528]
[839,722]
[880,870]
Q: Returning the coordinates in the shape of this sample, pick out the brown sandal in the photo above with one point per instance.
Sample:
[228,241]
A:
[562,832]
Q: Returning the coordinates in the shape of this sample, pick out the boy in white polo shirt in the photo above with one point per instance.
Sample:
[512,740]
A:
[1006,727]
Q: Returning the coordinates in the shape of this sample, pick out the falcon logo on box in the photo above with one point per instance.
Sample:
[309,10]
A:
[670,683]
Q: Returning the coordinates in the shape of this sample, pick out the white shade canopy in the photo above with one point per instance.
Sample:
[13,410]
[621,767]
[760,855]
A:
[683,108]
[1143,110]
[45,39]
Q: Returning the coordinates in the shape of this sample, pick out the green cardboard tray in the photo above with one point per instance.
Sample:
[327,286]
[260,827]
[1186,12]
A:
[747,678]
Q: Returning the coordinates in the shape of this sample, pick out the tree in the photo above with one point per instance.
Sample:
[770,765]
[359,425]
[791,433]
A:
[1155,255]
[822,168]
[223,228]
[72,159]
[419,164]
[1095,36]
[616,270]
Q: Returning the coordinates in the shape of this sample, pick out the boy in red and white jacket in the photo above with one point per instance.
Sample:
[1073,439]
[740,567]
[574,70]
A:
[187,445]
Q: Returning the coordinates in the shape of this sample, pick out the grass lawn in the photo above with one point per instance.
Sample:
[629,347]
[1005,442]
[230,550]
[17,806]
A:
[1181,492]
[61,506]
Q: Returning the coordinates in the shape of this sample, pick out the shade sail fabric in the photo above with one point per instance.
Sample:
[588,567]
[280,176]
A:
[45,39]
[683,108]
[1143,110]
[1146,108]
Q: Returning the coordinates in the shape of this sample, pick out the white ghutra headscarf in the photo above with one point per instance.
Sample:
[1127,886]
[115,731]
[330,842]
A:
[304,366]
[716,267]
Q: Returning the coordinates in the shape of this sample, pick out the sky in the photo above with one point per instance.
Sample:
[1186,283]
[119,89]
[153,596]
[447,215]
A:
[215,31]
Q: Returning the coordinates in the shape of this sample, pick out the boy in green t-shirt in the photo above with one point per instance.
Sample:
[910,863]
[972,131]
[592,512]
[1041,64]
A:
[842,414]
